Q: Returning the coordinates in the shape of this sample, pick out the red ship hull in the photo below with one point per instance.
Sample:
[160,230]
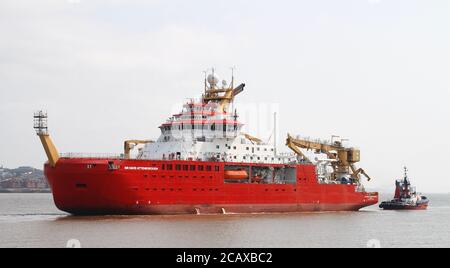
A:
[100,186]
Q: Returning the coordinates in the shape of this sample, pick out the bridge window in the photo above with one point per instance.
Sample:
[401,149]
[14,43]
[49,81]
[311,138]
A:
[208,168]
[200,168]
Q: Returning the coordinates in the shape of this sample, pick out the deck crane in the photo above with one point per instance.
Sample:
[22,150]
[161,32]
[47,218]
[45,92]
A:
[343,158]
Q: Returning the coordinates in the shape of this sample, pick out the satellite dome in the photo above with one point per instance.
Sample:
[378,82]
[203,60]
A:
[213,80]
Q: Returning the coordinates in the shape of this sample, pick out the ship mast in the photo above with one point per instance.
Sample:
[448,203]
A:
[232,76]
[224,96]
[275,138]
[206,85]
[41,127]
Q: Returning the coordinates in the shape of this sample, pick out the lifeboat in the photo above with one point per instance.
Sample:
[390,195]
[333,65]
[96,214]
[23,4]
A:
[236,175]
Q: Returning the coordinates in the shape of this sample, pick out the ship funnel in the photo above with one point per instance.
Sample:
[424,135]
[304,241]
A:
[41,127]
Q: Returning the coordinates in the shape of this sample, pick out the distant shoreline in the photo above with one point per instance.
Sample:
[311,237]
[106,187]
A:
[25,191]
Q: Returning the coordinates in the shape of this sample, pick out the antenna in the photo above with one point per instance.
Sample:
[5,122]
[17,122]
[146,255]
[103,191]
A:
[206,85]
[232,76]
[275,133]
[232,85]
[213,75]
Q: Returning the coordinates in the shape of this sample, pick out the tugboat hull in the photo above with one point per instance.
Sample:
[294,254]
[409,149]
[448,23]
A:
[400,206]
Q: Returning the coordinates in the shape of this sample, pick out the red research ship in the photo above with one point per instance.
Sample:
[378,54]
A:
[204,164]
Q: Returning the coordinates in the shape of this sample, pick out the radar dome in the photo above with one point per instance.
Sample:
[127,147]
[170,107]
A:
[213,80]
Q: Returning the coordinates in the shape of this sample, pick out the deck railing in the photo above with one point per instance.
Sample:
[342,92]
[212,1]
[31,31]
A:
[92,156]
[283,158]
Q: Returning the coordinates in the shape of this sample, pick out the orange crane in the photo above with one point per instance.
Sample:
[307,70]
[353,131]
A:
[344,158]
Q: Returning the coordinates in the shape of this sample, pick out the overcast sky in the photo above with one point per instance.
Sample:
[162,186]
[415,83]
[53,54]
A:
[374,71]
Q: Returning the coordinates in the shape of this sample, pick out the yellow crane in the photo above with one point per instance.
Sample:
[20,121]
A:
[41,127]
[222,96]
[253,139]
[344,158]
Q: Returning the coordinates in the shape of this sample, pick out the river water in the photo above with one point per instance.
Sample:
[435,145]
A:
[32,220]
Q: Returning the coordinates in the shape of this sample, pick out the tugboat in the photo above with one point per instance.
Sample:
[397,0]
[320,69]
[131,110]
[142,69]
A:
[406,197]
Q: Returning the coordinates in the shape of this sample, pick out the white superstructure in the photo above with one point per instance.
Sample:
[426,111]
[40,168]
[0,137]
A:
[206,130]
